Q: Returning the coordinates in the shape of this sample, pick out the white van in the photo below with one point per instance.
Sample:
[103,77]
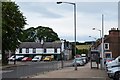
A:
[37,58]
[113,69]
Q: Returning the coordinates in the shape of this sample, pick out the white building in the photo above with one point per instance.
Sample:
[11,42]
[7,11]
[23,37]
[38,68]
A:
[46,49]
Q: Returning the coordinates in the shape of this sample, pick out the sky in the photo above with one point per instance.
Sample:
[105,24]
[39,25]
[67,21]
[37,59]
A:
[60,17]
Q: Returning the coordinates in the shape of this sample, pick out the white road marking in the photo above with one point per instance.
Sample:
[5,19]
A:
[5,71]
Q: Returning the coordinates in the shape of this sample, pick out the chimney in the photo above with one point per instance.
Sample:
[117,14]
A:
[113,28]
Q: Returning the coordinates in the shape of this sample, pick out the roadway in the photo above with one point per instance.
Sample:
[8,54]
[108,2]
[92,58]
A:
[29,69]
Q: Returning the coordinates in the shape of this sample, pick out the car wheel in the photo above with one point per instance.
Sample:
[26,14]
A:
[109,76]
[117,76]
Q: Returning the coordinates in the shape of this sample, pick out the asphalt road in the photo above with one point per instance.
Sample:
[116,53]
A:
[29,69]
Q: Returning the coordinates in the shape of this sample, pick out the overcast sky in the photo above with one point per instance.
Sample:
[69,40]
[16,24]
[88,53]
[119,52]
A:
[59,17]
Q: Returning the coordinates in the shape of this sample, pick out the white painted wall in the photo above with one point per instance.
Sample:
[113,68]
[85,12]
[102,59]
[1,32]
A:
[23,50]
[17,51]
[50,50]
[30,50]
[38,51]
[58,50]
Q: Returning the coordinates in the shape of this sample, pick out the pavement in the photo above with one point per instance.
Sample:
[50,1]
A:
[69,72]
[82,72]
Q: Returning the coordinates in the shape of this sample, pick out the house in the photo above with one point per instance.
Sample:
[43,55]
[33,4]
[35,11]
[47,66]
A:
[111,44]
[53,49]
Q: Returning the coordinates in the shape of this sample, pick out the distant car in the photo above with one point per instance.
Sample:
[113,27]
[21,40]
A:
[37,58]
[27,59]
[17,57]
[11,58]
[47,58]
[84,59]
[79,62]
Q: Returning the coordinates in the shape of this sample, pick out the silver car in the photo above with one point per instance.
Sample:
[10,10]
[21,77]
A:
[79,62]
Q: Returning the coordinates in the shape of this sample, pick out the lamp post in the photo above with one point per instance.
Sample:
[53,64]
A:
[74,27]
[102,41]
[97,30]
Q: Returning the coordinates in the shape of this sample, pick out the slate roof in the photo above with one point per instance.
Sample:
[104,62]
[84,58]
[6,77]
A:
[39,45]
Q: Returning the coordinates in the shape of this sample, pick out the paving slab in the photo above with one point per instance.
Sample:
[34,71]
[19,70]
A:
[69,72]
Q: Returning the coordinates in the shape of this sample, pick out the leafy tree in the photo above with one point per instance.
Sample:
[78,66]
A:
[13,23]
[40,32]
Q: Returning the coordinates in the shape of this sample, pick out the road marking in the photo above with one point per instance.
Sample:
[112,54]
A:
[98,77]
[5,71]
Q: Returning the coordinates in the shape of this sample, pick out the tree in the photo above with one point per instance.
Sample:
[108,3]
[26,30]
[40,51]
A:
[45,33]
[13,23]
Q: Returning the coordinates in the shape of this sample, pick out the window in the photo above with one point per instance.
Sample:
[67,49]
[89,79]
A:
[27,50]
[108,55]
[20,50]
[34,50]
[119,60]
[55,51]
[106,46]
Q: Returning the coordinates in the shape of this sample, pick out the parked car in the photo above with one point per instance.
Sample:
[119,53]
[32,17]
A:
[113,69]
[84,59]
[37,58]
[11,58]
[47,58]
[79,62]
[17,57]
[27,59]
[107,60]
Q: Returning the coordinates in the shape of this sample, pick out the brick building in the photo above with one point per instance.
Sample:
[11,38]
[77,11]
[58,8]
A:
[112,42]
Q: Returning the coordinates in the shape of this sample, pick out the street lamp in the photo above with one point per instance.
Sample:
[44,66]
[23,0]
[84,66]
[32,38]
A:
[97,30]
[74,27]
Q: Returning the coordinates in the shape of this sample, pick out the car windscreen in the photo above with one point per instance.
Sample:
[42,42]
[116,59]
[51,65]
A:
[79,59]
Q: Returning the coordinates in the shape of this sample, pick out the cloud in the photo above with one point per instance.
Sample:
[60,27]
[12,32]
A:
[66,0]
[60,18]
[38,8]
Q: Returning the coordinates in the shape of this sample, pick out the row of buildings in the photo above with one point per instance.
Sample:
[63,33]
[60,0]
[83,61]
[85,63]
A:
[63,48]
[54,49]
